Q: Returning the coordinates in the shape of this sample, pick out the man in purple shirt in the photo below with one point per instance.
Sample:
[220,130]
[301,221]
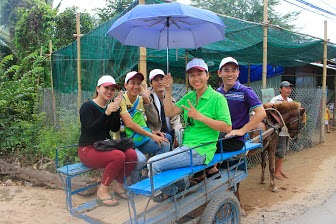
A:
[242,100]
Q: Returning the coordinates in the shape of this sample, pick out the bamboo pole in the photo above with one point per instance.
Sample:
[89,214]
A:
[249,74]
[265,27]
[53,98]
[186,75]
[142,66]
[79,74]
[324,82]
[334,113]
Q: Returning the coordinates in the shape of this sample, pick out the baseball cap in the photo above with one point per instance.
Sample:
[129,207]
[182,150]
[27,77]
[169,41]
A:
[285,83]
[227,60]
[132,74]
[107,80]
[197,63]
[154,73]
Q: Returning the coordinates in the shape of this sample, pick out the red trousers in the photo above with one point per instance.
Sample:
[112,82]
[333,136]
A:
[116,163]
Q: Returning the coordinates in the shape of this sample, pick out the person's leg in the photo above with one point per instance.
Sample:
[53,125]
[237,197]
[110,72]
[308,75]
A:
[280,154]
[136,173]
[131,160]
[152,148]
[170,139]
[173,160]
[113,164]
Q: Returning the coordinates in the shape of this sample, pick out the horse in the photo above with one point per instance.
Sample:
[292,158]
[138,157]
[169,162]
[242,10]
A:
[285,118]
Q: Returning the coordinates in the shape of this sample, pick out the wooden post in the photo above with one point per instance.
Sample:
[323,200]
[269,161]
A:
[53,98]
[265,27]
[79,74]
[324,82]
[249,74]
[186,75]
[142,66]
[334,114]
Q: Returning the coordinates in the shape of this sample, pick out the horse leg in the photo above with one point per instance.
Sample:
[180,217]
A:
[242,210]
[263,166]
[271,159]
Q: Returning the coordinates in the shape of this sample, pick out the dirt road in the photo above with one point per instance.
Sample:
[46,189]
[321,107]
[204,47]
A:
[312,180]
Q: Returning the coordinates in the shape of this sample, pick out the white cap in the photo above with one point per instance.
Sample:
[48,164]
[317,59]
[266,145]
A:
[227,60]
[154,73]
[107,80]
[197,63]
[131,75]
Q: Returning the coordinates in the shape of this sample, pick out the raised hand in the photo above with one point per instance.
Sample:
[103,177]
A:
[168,82]
[114,106]
[118,98]
[145,92]
[192,112]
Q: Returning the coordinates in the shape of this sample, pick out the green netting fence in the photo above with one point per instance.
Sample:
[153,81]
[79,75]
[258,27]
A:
[103,55]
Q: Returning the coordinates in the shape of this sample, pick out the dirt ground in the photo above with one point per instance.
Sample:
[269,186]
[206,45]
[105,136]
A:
[312,180]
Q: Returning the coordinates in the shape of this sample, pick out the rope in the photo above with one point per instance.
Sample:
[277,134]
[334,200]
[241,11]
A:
[284,128]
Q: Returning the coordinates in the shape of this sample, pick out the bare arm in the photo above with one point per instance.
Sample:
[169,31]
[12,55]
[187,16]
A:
[170,108]
[259,115]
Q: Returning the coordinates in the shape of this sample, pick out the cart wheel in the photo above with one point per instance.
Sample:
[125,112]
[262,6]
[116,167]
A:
[223,208]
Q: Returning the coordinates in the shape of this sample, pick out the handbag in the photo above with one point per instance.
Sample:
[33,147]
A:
[111,144]
[138,118]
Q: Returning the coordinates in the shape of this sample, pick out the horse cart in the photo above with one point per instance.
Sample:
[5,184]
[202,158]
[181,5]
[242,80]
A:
[215,193]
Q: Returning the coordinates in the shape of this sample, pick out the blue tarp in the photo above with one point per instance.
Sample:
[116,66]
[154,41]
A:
[256,72]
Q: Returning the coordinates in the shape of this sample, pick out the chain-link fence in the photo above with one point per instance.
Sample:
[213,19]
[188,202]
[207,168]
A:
[66,106]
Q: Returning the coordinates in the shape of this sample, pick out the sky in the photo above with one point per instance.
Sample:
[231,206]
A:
[310,23]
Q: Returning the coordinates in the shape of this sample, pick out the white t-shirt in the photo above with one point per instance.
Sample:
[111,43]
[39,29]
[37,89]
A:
[279,99]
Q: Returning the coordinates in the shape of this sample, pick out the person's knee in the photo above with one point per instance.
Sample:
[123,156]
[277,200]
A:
[131,155]
[118,156]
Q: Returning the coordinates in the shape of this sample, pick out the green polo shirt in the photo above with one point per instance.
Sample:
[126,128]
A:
[211,104]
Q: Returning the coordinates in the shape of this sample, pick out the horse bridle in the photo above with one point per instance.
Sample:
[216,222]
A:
[281,121]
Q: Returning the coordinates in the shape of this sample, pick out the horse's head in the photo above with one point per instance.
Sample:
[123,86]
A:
[293,116]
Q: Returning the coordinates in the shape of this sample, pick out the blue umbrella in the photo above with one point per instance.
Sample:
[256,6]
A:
[168,26]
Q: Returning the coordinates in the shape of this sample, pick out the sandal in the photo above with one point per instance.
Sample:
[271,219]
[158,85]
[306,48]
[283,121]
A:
[101,202]
[284,175]
[159,198]
[279,177]
[121,195]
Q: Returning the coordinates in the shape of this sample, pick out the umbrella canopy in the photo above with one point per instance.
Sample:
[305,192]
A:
[168,25]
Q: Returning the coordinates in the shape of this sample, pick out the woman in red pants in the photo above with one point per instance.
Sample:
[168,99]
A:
[98,118]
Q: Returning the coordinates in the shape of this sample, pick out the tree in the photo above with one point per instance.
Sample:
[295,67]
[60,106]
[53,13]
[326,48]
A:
[34,29]
[66,26]
[251,10]
[112,8]
[6,45]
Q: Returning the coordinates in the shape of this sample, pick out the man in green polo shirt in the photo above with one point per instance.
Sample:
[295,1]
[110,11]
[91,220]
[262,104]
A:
[206,113]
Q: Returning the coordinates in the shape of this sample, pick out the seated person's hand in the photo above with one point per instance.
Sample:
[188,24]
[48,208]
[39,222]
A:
[237,132]
[159,133]
[159,139]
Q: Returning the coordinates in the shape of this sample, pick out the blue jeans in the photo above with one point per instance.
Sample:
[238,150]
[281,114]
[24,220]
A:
[136,173]
[176,160]
[150,147]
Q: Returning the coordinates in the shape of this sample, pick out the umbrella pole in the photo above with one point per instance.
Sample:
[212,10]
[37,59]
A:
[167,25]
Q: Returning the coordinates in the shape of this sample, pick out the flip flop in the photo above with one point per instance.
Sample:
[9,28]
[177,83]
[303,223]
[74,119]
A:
[159,198]
[211,174]
[279,177]
[121,195]
[284,175]
[102,203]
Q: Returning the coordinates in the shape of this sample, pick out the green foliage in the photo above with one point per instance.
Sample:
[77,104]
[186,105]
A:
[10,12]
[19,120]
[251,10]
[112,8]
[34,29]
[65,23]
[67,133]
